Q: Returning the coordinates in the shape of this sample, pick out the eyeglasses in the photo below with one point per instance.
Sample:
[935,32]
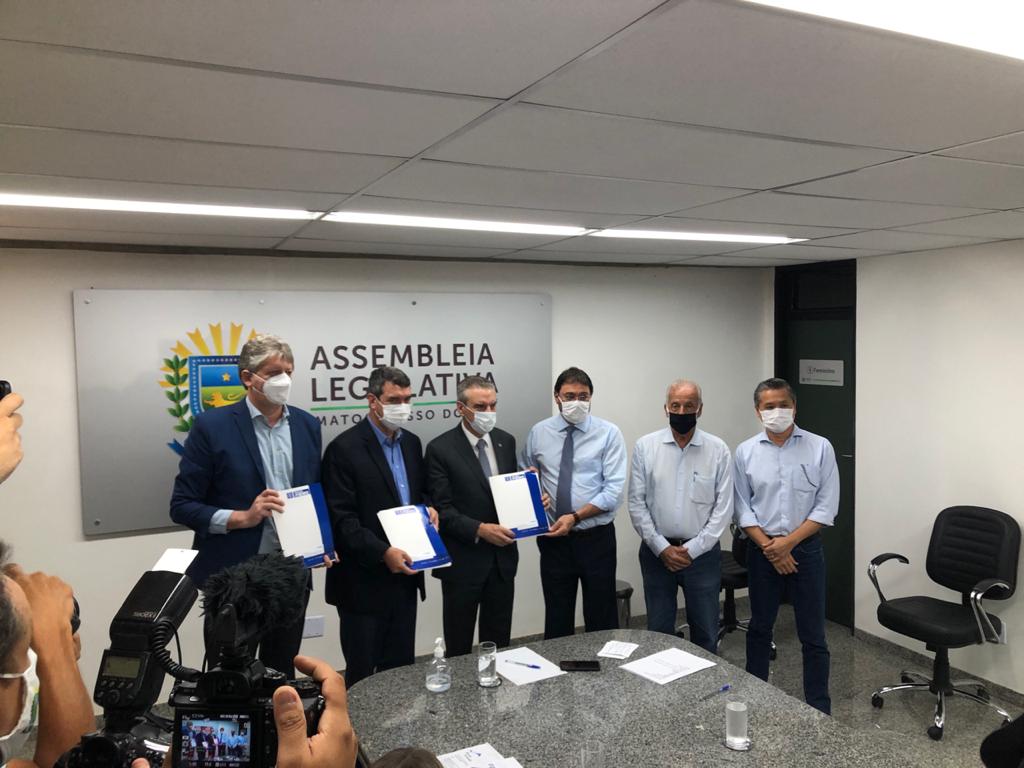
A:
[683,408]
[569,397]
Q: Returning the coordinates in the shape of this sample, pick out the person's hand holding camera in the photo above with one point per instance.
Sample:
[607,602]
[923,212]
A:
[334,744]
[10,440]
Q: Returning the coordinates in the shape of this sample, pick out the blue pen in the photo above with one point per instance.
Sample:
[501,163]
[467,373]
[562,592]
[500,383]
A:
[723,689]
[523,664]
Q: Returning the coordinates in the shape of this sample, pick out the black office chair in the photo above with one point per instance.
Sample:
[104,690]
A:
[973,551]
[734,576]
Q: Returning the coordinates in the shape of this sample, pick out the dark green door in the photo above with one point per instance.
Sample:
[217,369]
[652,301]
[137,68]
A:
[815,320]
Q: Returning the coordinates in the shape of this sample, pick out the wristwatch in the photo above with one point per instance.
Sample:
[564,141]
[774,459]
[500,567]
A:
[575,518]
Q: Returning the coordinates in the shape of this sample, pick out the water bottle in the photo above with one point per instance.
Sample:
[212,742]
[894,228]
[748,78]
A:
[439,673]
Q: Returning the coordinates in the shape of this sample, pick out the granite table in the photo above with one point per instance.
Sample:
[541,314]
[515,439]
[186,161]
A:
[609,718]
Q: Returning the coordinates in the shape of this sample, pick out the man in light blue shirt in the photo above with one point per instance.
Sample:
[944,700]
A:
[787,490]
[680,501]
[582,464]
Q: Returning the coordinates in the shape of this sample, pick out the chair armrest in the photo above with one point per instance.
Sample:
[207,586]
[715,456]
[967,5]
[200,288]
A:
[985,628]
[873,567]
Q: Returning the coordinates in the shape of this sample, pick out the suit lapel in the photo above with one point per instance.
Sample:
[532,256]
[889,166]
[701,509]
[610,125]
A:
[243,421]
[470,456]
[300,445]
[505,455]
[377,454]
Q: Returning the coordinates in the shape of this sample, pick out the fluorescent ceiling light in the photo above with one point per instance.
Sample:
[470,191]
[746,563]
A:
[432,222]
[142,206]
[662,234]
[986,25]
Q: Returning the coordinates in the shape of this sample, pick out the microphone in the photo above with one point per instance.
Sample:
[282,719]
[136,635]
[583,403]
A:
[247,600]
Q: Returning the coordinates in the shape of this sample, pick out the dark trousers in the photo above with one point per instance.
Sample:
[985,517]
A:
[701,582]
[492,597]
[806,591]
[373,642]
[278,647]
[584,558]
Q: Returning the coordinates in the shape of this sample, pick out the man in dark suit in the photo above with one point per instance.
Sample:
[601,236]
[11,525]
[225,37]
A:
[236,460]
[375,465]
[484,553]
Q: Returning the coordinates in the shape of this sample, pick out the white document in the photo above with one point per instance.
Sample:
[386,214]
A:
[666,666]
[298,527]
[522,666]
[617,649]
[517,499]
[409,529]
[511,762]
[175,560]
[480,756]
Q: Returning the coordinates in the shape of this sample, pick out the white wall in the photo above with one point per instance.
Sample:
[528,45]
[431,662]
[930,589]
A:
[633,330]
[940,366]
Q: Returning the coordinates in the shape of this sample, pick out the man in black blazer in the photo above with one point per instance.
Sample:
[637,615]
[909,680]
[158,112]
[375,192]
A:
[375,465]
[484,553]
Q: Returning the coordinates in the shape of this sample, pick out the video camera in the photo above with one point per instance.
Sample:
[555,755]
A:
[223,717]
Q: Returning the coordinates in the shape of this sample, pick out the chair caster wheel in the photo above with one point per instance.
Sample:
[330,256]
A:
[934,732]
[877,701]
[772,654]
[906,679]
[983,693]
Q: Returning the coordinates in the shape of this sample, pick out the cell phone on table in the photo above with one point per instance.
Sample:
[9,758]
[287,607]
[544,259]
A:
[5,389]
[588,665]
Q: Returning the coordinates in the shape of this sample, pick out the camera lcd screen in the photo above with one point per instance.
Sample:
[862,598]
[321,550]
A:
[120,666]
[214,740]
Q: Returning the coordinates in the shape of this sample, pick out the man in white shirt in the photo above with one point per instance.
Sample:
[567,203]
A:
[680,501]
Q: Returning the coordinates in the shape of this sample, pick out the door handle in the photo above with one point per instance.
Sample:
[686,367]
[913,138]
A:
[846,455]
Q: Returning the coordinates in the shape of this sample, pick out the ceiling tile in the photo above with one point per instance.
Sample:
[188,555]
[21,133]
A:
[813,252]
[63,89]
[135,238]
[452,182]
[934,180]
[136,158]
[894,241]
[372,233]
[591,257]
[741,261]
[689,224]
[541,138]
[825,211]
[1002,225]
[153,223]
[739,66]
[589,244]
[392,249]
[488,47]
[173,193]
[371,204]
[1007,149]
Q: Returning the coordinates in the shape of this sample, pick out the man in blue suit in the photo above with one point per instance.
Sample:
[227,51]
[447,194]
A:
[236,460]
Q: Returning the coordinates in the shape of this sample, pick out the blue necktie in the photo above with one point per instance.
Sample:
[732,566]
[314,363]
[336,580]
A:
[481,452]
[563,495]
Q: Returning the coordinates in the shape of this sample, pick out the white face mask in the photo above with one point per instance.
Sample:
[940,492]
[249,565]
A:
[777,420]
[11,744]
[575,411]
[395,416]
[483,421]
[277,388]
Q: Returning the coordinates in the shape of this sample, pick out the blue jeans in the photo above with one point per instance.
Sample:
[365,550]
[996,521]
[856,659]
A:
[701,582]
[806,591]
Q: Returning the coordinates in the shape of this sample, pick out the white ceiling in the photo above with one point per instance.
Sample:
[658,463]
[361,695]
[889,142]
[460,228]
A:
[698,115]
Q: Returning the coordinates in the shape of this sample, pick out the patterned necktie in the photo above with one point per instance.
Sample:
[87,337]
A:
[563,496]
[481,452]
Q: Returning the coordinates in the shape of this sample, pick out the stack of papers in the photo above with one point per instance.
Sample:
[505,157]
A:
[617,649]
[666,666]
[522,666]
[480,756]
[517,499]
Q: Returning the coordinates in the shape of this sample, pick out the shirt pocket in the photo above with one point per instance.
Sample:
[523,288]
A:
[702,490]
[806,478]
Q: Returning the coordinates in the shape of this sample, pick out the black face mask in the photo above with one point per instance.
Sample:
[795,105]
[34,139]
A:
[682,422]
